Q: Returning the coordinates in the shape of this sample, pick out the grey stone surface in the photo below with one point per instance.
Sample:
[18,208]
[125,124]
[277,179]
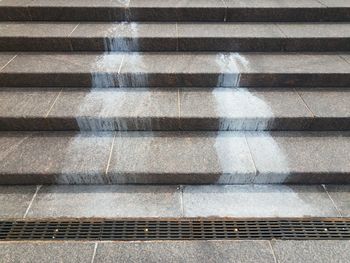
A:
[50,252]
[273,3]
[19,29]
[9,141]
[319,30]
[242,109]
[335,3]
[162,157]
[340,194]
[303,157]
[58,157]
[125,37]
[327,102]
[106,201]
[115,109]
[320,251]
[25,109]
[14,201]
[65,63]
[257,201]
[228,30]
[188,251]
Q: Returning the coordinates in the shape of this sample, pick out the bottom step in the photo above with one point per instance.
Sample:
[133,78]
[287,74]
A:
[174,157]
[251,251]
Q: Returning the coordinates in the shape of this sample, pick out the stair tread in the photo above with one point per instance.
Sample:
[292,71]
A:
[176,62]
[164,201]
[175,157]
[168,29]
[174,109]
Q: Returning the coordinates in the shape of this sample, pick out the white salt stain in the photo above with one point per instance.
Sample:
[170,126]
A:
[241,106]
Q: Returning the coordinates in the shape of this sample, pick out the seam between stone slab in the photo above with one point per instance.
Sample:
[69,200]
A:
[322,3]
[181,188]
[94,253]
[8,62]
[12,148]
[106,174]
[226,7]
[334,204]
[177,36]
[53,104]
[73,30]
[273,252]
[347,62]
[121,64]
[280,29]
[251,157]
[302,99]
[38,187]
[179,108]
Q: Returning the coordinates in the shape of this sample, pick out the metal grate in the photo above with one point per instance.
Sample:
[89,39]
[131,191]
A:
[188,229]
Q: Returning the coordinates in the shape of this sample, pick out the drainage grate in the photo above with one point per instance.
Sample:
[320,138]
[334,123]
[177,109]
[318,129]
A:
[189,229]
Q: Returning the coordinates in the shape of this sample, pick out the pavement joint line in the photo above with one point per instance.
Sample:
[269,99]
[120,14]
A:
[94,253]
[322,3]
[110,156]
[251,157]
[38,187]
[344,59]
[8,62]
[54,102]
[181,188]
[273,252]
[302,99]
[121,64]
[280,29]
[329,196]
[179,106]
[73,29]
[226,7]
[177,36]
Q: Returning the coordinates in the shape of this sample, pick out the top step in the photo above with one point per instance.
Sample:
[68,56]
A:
[170,10]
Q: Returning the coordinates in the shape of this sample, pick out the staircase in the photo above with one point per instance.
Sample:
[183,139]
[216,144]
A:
[137,92]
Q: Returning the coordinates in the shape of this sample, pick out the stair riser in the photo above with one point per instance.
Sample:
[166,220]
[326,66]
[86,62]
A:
[173,124]
[175,80]
[173,44]
[173,179]
[174,14]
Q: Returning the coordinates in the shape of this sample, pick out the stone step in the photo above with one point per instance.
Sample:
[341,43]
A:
[174,157]
[236,37]
[174,69]
[167,10]
[173,201]
[172,109]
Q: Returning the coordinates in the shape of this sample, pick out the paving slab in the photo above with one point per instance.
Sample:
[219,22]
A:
[27,252]
[58,158]
[106,202]
[124,37]
[115,109]
[14,200]
[176,69]
[329,104]
[167,157]
[25,109]
[242,109]
[312,251]
[285,157]
[257,201]
[340,195]
[188,251]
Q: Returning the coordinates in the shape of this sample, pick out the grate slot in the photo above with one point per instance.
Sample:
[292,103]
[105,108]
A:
[189,229]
